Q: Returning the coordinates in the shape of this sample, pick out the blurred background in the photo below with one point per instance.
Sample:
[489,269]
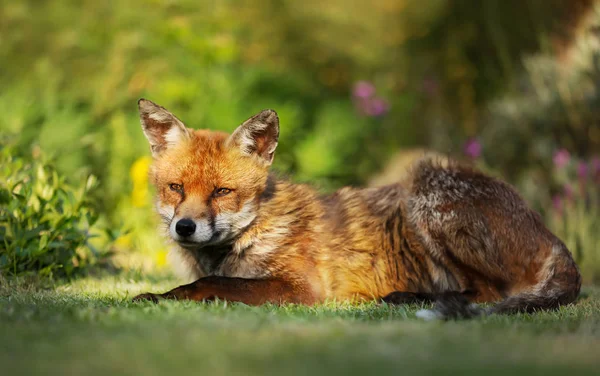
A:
[361,88]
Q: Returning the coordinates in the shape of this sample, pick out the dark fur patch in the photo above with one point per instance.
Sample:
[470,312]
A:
[455,306]
[403,297]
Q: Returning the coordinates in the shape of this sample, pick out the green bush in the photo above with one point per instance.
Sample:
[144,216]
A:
[45,224]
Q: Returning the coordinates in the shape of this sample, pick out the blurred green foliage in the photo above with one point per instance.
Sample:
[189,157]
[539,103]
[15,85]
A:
[45,224]
[576,220]
[72,71]
[556,108]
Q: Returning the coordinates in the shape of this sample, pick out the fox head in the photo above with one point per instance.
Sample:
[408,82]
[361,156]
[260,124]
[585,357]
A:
[208,183]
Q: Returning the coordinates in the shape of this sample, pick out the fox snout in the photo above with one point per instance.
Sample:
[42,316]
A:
[193,232]
[185,227]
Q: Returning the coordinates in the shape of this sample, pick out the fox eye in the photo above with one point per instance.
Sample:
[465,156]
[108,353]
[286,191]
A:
[222,192]
[176,187]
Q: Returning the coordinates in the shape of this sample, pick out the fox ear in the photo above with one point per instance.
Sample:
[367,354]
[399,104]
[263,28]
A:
[162,128]
[257,136]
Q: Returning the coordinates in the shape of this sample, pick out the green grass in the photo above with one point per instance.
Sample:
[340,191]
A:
[90,327]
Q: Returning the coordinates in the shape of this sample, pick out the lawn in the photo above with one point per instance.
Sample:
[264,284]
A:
[89,326]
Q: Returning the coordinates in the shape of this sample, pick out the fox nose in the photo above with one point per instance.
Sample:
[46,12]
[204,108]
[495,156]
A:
[185,227]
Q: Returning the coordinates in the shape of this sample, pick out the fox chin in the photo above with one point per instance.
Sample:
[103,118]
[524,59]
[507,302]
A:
[447,234]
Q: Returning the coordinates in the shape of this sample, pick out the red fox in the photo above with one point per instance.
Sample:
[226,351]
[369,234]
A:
[448,234]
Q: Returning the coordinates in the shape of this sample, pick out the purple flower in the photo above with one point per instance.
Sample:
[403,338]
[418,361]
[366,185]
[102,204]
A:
[582,170]
[568,192]
[366,102]
[377,107]
[472,148]
[561,158]
[363,90]
[557,203]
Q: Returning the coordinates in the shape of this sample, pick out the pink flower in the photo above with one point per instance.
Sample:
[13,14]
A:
[363,90]
[557,203]
[366,102]
[568,192]
[377,107]
[472,148]
[561,158]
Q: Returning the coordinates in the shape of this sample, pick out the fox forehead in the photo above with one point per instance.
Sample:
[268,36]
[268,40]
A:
[204,163]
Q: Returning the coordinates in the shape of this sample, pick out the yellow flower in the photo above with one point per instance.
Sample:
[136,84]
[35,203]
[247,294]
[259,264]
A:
[139,176]
[161,258]
[124,241]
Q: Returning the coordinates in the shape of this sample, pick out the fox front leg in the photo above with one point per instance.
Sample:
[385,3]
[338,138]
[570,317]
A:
[248,291]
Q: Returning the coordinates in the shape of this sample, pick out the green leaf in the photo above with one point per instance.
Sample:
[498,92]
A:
[43,241]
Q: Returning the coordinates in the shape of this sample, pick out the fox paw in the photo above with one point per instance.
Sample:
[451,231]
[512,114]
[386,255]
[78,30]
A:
[401,297]
[146,297]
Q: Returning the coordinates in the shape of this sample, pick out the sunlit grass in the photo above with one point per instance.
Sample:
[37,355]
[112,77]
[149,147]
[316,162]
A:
[90,326]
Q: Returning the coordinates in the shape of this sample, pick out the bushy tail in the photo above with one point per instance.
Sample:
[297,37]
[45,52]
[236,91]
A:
[453,307]
[559,285]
